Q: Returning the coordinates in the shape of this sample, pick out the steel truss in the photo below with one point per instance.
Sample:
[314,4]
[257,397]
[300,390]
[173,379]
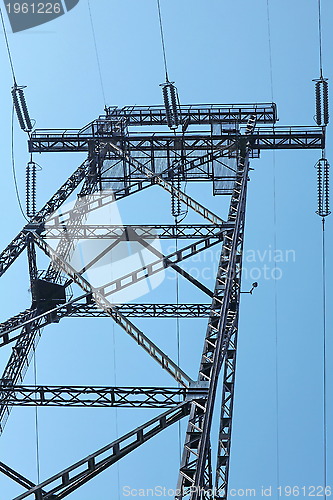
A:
[172,231]
[128,397]
[262,138]
[193,481]
[122,163]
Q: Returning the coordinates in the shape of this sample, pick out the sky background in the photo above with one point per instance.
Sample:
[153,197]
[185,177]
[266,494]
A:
[218,52]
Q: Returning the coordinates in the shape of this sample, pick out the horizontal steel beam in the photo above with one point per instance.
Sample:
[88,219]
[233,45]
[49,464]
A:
[29,319]
[171,231]
[54,141]
[165,310]
[129,397]
[261,138]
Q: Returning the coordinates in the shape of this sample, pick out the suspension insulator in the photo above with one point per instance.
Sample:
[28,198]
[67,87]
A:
[31,188]
[18,110]
[174,103]
[170,98]
[321,92]
[325,102]
[21,109]
[168,111]
[25,110]
[322,167]
[176,208]
[179,205]
[327,189]
[319,186]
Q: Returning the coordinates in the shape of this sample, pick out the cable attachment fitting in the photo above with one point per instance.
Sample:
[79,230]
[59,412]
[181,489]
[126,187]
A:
[321,92]
[322,167]
[171,104]
[21,108]
[31,172]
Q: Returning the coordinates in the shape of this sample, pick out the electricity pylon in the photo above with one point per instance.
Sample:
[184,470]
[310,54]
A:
[121,163]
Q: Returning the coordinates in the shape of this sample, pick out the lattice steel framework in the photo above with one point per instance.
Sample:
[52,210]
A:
[122,162]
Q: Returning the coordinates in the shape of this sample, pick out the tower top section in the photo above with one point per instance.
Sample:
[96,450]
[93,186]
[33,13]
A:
[195,114]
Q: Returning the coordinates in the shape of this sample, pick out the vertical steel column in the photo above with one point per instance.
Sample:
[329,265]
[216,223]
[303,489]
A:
[226,418]
[221,325]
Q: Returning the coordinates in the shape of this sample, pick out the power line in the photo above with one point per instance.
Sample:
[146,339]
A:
[162,40]
[115,382]
[277,401]
[96,52]
[323,211]
[320,39]
[7,45]
[116,409]
[36,422]
[324,354]
[25,111]
[270,50]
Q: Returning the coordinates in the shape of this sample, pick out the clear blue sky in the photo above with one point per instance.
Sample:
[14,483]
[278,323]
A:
[217,53]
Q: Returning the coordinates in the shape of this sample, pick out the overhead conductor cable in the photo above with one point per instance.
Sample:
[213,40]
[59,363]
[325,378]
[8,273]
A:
[19,101]
[322,166]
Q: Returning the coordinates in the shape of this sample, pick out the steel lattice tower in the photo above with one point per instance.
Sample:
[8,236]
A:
[129,162]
